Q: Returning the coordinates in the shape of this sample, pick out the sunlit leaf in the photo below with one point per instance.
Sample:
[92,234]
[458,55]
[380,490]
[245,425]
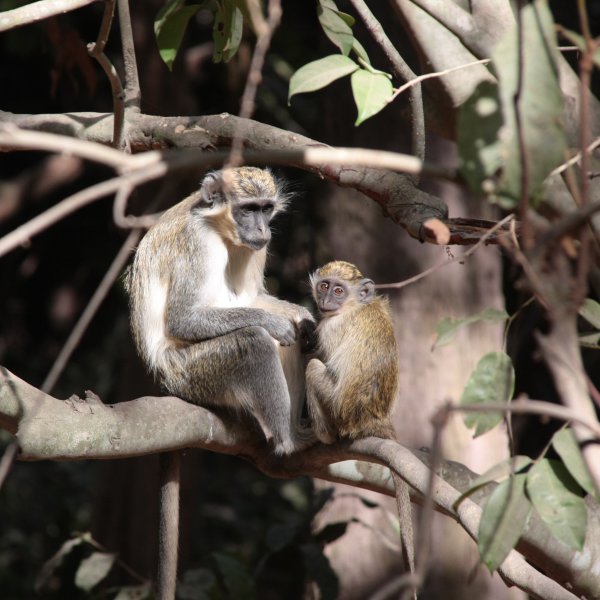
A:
[492,381]
[136,592]
[556,498]
[489,140]
[567,448]
[591,340]
[540,105]
[500,471]
[320,73]
[590,311]
[337,27]
[52,564]
[502,522]
[447,328]
[227,31]
[371,91]
[360,51]
[480,150]
[169,28]
[94,569]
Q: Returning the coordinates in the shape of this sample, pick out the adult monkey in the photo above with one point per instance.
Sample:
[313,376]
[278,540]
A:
[351,387]
[206,327]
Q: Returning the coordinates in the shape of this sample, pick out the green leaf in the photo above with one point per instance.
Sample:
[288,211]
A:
[591,340]
[541,104]
[447,328]
[479,123]
[493,380]
[320,571]
[567,448]
[590,311]
[227,31]
[555,496]
[337,28]
[93,570]
[320,73]
[489,146]
[360,52]
[504,469]
[372,92]
[502,521]
[497,473]
[236,576]
[169,27]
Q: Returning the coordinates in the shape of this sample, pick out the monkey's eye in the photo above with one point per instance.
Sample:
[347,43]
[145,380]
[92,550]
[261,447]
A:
[323,286]
[338,290]
[268,209]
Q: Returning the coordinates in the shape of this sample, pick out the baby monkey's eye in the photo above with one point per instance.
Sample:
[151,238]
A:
[338,290]
[323,286]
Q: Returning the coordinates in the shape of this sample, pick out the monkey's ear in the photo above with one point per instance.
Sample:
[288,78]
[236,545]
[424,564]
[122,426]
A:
[211,190]
[367,290]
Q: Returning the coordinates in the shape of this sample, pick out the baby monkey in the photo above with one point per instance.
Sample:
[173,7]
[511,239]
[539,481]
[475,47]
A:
[351,388]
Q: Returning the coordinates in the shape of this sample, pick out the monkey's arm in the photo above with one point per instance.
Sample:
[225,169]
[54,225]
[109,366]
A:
[196,325]
[302,318]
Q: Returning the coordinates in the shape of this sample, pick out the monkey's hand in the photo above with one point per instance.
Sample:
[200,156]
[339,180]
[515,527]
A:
[307,330]
[281,329]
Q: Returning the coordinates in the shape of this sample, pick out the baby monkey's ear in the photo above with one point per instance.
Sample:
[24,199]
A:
[367,290]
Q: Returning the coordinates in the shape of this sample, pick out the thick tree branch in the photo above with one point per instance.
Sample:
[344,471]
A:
[47,428]
[394,192]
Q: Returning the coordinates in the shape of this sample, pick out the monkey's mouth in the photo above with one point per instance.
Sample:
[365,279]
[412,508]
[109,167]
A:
[255,245]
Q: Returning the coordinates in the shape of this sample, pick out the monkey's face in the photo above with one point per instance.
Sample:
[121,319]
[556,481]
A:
[330,295]
[334,294]
[252,218]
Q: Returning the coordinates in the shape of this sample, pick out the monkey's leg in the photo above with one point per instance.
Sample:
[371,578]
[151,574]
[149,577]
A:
[292,362]
[319,394]
[168,531]
[240,370]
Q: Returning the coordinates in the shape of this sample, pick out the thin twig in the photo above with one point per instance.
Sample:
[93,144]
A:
[575,159]
[96,50]
[532,407]
[454,259]
[402,71]
[8,460]
[255,75]
[421,78]
[91,309]
[586,65]
[133,95]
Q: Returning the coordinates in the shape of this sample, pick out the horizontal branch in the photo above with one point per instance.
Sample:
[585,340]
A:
[364,170]
[76,429]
